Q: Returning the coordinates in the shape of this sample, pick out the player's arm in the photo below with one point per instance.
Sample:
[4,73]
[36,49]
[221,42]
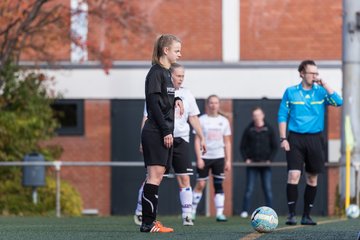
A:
[283,116]
[158,117]
[199,161]
[282,131]
[227,143]
[325,85]
[141,127]
[332,98]
[195,123]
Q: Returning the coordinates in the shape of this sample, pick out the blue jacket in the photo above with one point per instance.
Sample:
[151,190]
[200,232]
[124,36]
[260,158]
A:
[304,110]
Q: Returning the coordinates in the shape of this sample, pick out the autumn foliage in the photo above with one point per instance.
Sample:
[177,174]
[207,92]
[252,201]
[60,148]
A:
[41,29]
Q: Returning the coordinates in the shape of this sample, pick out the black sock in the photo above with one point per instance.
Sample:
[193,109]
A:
[149,203]
[309,197]
[292,195]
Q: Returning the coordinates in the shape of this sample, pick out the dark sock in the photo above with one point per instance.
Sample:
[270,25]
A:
[309,198]
[149,203]
[292,195]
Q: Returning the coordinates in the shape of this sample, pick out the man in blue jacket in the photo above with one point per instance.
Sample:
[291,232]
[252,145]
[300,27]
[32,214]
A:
[302,112]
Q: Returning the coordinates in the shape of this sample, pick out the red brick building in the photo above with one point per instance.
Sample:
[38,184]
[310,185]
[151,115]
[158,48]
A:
[238,49]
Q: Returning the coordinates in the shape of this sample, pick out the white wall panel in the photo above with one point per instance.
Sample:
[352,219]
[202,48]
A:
[238,83]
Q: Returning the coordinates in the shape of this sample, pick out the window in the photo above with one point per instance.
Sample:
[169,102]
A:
[70,114]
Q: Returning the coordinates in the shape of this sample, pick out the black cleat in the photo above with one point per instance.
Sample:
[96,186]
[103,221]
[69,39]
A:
[291,220]
[306,220]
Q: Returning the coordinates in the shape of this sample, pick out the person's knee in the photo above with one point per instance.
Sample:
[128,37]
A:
[200,185]
[218,185]
[249,188]
[155,175]
[156,180]
[294,176]
[311,179]
[184,181]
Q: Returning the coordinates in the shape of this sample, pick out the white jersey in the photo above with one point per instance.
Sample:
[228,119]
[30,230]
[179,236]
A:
[214,130]
[182,127]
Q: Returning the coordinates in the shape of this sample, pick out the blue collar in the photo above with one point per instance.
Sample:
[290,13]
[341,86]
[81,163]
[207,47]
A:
[314,87]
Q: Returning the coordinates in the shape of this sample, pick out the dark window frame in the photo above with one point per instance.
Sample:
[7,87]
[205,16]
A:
[78,129]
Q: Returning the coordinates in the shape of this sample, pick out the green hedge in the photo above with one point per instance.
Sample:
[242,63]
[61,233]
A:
[26,123]
[17,200]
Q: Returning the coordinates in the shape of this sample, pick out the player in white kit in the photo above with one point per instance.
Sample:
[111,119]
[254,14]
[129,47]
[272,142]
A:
[217,132]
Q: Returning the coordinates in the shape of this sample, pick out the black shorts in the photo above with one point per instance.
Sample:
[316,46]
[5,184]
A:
[216,166]
[181,157]
[154,151]
[308,149]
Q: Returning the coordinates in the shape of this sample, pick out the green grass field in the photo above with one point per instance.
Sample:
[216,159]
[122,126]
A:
[108,228]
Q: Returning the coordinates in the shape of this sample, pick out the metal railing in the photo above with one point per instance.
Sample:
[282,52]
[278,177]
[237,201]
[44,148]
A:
[59,164]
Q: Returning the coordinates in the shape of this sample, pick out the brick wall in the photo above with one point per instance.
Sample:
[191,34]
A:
[197,23]
[333,184]
[93,183]
[334,122]
[334,132]
[290,30]
[270,30]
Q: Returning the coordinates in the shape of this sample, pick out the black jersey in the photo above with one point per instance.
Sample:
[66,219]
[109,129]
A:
[160,94]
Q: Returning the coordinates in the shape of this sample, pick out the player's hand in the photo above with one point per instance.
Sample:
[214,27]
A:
[200,163]
[202,146]
[248,160]
[140,148]
[320,81]
[179,104]
[285,145]
[227,166]
[168,140]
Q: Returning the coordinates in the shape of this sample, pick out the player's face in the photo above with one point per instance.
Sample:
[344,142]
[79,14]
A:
[214,105]
[173,52]
[310,74]
[258,116]
[178,77]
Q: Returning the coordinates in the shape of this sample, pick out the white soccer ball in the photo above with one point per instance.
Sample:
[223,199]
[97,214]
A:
[353,211]
[264,220]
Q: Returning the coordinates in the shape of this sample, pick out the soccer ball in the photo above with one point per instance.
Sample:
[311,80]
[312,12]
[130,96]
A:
[352,211]
[264,220]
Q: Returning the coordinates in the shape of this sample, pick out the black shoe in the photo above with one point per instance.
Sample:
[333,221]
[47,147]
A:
[306,220]
[291,220]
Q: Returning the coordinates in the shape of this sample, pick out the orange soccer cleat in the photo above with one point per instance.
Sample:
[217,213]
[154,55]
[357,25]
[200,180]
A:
[156,226]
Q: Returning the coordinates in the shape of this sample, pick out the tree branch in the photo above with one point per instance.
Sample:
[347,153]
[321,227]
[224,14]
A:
[12,42]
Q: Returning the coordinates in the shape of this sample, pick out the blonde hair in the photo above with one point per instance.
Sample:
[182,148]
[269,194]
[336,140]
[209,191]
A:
[215,96]
[210,97]
[175,66]
[161,42]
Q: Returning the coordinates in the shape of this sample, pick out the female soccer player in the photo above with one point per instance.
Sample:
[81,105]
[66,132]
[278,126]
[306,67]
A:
[157,133]
[181,161]
[217,132]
